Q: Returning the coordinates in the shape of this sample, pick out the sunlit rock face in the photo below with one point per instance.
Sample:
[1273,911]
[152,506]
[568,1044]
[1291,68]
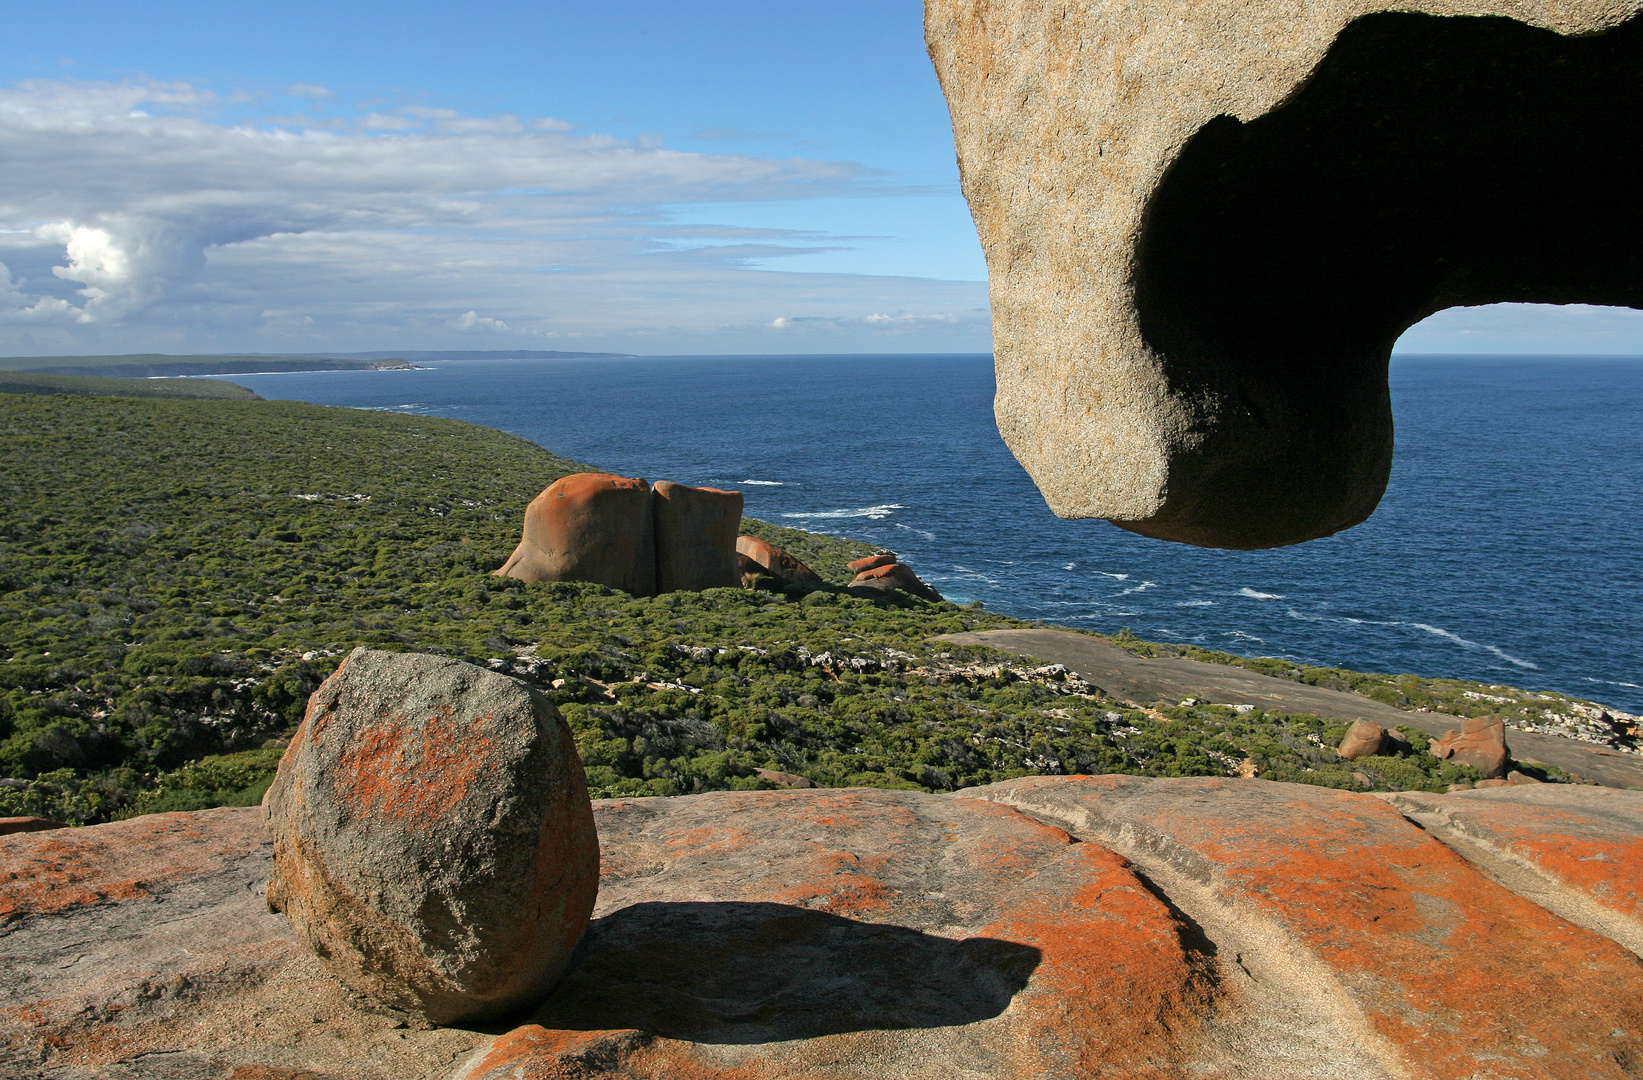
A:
[1207,222]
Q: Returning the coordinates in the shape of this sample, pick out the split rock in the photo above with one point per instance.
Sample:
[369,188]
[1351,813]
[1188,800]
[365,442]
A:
[696,537]
[589,527]
[433,839]
[872,562]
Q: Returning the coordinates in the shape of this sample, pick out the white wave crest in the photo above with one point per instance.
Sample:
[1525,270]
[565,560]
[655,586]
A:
[1253,595]
[766,483]
[874,512]
[1463,643]
[1195,603]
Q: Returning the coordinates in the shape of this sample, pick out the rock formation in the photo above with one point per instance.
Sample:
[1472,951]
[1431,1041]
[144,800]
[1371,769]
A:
[1202,927]
[1207,221]
[433,841]
[589,527]
[621,532]
[696,537]
[888,578]
[776,561]
[1364,738]
[872,562]
[1480,743]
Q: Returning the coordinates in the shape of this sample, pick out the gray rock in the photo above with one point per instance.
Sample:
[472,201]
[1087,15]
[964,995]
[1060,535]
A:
[1207,221]
[433,839]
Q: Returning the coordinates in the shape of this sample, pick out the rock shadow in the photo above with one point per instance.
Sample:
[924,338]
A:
[742,973]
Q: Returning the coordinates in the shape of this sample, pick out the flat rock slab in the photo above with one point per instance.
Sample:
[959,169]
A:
[145,948]
[1585,843]
[1047,927]
[1443,973]
[1148,679]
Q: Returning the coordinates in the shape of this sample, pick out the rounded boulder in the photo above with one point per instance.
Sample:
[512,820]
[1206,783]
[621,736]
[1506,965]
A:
[433,839]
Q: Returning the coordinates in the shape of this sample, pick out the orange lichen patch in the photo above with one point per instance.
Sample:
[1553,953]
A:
[1115,992]
[1462,976]
[1582,851]
[533,1052]
[54,872]
[707,840]
[414,768]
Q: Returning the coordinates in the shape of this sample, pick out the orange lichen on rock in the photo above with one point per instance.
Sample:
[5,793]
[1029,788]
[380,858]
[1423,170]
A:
[52,873]
[414,768]
[1518,992]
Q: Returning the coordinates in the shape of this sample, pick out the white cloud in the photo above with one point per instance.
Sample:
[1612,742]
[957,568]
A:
[472,320]
[142,215]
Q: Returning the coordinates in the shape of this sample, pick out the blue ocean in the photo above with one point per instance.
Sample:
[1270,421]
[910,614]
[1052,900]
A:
[1508,549]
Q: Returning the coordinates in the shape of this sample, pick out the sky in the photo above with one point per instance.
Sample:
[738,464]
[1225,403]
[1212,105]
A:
[631,176]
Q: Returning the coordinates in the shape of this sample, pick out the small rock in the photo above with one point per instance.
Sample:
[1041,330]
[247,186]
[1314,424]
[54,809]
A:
[1464,785]
[1516,779]
[892,577]
[1490,784]
[872,562]
[1480,743]
[1364,738]
[784,779]
[433,839]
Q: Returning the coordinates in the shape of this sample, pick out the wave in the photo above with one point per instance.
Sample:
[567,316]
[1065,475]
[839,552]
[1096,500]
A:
[1145,585]
[1195,603]
[1116,577]
[1069,566]
[874,512]
[1253,595]
[1612,682]
[922,532]
[1462,642]
[765,483]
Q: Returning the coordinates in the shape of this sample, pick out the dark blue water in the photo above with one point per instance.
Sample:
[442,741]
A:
[1509,547]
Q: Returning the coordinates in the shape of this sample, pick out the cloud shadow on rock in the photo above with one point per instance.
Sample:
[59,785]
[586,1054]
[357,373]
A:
[744,973]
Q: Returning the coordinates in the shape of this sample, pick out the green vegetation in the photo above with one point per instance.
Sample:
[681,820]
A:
[1530,709]
[152,365]
[177,576]
[23,382]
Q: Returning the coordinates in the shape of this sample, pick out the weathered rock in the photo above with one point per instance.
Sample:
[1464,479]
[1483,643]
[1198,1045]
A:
[785,779]
[433,840]
[9,825]
[1340,888]
[1584,843]
[872,562]
[589,527]
[1202,928]
[1207,221]
[696,537]
[883,579]
[1480,743]
[775,560]
[1364,738]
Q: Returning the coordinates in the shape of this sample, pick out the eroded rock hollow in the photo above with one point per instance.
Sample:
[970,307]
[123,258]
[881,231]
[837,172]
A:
[1206,223]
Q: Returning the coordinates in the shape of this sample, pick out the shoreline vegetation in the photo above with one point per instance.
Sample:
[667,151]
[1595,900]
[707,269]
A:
[176,576]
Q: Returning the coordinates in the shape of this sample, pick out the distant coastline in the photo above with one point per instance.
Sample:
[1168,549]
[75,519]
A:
[167,366]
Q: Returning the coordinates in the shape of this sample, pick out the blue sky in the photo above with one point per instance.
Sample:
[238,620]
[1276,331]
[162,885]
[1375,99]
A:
[634,176]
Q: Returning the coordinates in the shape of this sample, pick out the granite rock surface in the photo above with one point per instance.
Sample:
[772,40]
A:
[433,841]
[1207,221]
[589,527]
[1045,927]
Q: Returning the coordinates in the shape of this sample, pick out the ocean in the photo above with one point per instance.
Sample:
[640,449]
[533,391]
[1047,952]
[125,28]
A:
[1508,548]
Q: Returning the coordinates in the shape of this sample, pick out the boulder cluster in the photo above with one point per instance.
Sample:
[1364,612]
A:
[1479,744]
[648,539]
[631,535]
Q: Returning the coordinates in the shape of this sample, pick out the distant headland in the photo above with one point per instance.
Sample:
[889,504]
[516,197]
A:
[163,365]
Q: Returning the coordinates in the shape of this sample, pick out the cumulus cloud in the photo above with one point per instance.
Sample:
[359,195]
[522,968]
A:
[142,214]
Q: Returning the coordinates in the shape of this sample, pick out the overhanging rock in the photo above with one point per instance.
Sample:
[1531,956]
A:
[1206,222]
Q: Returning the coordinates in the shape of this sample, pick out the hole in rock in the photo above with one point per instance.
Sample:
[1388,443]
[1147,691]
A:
[742,973]
[1428,162]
